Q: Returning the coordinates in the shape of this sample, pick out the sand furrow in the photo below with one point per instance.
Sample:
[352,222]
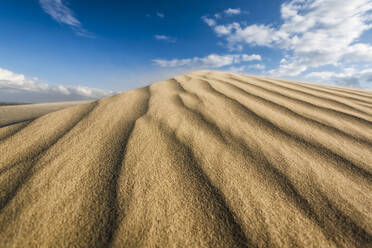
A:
[334,119]
[321,101]
[343,94]
[6,132]
[350,102]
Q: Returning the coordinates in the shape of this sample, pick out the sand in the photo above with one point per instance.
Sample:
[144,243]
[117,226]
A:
[12,113]
[208,159]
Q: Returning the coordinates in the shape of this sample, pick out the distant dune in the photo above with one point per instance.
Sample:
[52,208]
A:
[11,113]
[208,159]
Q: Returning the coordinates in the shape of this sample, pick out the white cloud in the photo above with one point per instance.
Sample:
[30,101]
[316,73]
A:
[161,15]
[257,66]
[62,14]
[348,77]
[165,38]
[230,11]
[236,69]
[210,61]
[17,87]
[314,33]
[209,21]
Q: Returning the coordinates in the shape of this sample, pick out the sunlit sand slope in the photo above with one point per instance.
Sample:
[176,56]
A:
[207,159]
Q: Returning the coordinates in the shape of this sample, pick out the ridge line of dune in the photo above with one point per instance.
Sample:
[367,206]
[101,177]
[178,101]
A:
[124,137]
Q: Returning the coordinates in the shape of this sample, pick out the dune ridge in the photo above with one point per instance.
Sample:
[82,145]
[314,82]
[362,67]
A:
[207,159]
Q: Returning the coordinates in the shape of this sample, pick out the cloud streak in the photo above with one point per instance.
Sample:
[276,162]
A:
[231,11]
[63,15]
[18,88]
[159,14]
[165,38]
[210,61]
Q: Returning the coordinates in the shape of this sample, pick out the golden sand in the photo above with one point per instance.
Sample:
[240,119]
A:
[207,159]
[12,114]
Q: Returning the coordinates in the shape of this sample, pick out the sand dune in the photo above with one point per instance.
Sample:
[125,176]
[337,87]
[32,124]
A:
[208,159]
[16,113]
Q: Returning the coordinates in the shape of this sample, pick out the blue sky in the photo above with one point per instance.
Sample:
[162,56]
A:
[55,50]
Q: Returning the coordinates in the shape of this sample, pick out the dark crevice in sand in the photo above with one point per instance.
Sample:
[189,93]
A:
[13,132]
[118,168]
[341,226]
[17,122]
[225,212]
[209,123]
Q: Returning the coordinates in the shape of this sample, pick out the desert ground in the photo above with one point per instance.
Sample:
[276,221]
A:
[207,159]
[12,113]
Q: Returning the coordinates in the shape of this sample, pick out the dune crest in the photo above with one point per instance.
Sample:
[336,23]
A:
[207,159]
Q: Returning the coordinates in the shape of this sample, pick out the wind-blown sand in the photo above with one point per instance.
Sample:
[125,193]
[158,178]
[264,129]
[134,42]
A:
[207,159]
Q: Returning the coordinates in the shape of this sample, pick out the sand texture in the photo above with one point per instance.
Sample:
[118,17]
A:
[207,159]
[14,113]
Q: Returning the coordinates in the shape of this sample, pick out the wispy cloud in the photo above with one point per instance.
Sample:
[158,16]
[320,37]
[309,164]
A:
[159,14]
[231,11]
[209,21]
[210,61]
[165,38]
[246,68]
[62,14]
[18,87]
